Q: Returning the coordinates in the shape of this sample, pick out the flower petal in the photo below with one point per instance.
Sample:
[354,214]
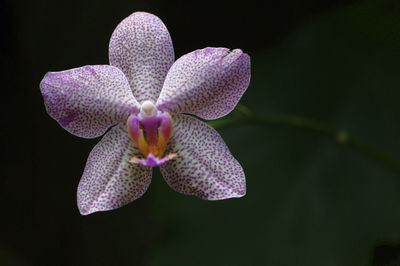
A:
[204,166]
[109,181]
[87,100]
[142,48]
[207,83]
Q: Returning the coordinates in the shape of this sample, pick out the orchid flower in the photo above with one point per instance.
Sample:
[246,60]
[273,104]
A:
[148,103]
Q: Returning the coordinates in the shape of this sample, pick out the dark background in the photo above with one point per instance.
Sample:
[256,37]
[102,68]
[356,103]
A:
[309,200]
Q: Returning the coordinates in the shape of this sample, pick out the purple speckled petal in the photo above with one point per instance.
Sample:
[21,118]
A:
[87,100]
[142,48]
[204,165]
[109,180]
[207,83]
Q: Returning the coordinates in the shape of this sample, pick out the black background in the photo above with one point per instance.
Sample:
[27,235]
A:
[40,223]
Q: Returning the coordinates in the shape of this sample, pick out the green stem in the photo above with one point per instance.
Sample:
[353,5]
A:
[242,115]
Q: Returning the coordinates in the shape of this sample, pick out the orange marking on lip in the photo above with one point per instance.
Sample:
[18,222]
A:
[160,137]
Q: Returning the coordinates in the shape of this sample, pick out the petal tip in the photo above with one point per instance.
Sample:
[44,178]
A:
[44,83]
[87,211]
[231,195]
[239,194]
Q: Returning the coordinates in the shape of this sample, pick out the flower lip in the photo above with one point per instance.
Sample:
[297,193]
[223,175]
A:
[150,133]
[152,160]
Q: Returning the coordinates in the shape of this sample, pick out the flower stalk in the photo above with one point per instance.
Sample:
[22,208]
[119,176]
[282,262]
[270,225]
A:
[243,115]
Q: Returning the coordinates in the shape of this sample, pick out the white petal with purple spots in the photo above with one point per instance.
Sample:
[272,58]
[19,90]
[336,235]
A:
[109,181]
[142,48]
[207,83]
[204,166]
[87,100]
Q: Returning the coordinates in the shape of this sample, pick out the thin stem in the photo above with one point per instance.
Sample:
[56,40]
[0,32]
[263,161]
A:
[242,115]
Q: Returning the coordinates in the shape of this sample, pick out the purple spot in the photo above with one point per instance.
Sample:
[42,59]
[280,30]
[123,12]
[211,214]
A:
[68,118]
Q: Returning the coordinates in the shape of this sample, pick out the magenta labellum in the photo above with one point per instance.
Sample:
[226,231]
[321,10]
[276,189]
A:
[150,130]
